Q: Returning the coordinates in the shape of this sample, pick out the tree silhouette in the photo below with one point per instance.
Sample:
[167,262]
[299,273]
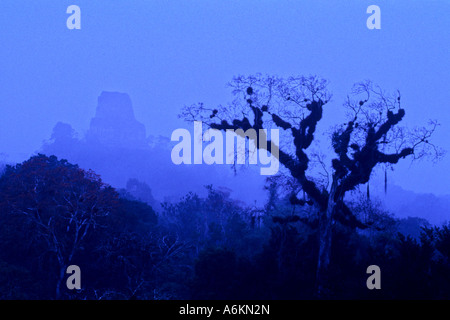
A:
[372,136]
[62,202]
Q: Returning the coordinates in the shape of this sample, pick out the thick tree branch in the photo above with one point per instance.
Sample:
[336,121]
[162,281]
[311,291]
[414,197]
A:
[353,172]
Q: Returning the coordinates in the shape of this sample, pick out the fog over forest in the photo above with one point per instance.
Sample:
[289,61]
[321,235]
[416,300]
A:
[116,147]
[112,110]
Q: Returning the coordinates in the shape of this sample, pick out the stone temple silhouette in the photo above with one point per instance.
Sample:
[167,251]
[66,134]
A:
[114,123]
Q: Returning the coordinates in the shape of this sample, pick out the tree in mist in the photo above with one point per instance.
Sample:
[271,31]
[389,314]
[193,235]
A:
[372,136]
[60,201]
[216,221]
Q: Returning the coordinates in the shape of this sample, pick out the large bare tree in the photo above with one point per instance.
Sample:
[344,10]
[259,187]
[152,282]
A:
[370,136]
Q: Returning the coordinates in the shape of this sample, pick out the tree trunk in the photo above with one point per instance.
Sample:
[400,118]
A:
[62,272]
[325,236]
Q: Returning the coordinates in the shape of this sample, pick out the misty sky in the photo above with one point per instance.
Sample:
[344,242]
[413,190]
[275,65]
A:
[166,54]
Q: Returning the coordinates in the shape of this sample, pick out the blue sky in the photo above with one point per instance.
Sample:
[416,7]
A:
[166,54]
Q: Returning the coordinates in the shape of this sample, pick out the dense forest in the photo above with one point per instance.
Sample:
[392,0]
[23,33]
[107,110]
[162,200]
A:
[54,214]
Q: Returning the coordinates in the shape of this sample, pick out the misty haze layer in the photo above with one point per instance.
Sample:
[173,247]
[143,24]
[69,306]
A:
[116,147]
